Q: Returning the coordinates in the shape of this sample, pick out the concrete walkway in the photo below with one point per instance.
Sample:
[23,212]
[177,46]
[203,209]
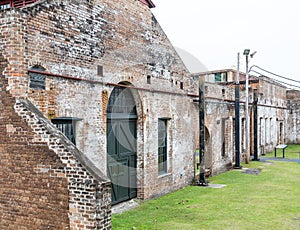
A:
[124,206]
[264,159]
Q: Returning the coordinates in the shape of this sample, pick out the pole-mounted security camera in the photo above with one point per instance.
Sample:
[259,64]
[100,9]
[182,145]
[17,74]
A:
[251,55]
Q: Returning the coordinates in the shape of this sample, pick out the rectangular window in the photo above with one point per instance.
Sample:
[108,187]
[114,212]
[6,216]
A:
[4,6]
[260,132]
[267,131]
[271,138]
[21,3]
[225,135]
[243,134]
[67,126]
[7,4]
[181,85]
[37,81]
[100,70]
[162,146]
[280,136]
[223,138]
[220,77]
[36,77]
[148,79]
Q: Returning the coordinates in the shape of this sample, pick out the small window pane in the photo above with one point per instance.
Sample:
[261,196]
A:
[5,6]
[162,146]
[221,77]
[37,80]
[67,127]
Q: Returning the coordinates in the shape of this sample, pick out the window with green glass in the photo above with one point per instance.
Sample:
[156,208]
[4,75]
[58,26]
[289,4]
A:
[221,77]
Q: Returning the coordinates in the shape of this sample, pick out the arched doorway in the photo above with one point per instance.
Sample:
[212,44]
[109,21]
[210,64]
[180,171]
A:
[121,144]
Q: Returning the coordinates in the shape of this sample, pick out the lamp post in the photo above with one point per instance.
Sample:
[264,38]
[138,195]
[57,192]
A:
[247,136]
[247,160]
[237,115]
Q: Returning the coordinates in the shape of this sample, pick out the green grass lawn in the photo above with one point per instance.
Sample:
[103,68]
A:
[270,200]
[291,152]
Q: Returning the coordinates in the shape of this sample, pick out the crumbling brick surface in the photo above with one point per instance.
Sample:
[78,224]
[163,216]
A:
[29,196]
[293,120]
[70,39]
[45,181]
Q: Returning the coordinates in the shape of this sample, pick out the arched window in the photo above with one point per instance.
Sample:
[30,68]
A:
[121,101]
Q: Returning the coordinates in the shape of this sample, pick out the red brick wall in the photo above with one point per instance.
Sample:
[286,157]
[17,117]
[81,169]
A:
[45,182]
[28,198]
[72,38]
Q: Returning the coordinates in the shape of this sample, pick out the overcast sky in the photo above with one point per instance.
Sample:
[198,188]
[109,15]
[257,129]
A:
[215,31]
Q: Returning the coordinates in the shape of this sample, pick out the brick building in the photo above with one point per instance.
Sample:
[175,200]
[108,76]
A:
[90,90]
[273,110]
[45,181]
[293,117]
[98,108]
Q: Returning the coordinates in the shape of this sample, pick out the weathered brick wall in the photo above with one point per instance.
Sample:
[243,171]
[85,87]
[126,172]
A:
[272,128]
[42,184]
[72,38]
[27,198]
[219,123]
[12,47]
[271,112]
[293,117]
[181,141]
[45,182]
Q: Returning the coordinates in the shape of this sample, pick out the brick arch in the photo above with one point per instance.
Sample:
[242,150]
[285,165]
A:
[138,111]
[37,67]
[136,97]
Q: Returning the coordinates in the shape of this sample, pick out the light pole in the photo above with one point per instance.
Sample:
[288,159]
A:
[237,115]
[247,136]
